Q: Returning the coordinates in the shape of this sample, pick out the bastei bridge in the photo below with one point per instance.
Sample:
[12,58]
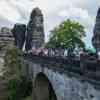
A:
[58,78]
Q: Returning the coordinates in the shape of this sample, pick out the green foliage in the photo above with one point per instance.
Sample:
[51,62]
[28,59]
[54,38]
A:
[28,98]
[19,89]
[13,62]
[25,88]
[12,87]
[67,34]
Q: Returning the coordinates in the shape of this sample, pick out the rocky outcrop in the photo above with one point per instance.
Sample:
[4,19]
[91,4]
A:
[6,39]
[35,30]
[96,36]
[33,33]
[19,31]
[3,89]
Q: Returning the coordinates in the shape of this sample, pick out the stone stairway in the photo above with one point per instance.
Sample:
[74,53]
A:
[3,89]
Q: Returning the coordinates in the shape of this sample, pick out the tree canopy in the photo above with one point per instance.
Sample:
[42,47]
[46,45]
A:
[67,34]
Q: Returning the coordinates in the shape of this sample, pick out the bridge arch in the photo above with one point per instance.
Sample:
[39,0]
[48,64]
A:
[43,89]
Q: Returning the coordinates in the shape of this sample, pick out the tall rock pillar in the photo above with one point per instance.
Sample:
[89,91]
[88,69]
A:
[35,30]
[96,36]
[19,31]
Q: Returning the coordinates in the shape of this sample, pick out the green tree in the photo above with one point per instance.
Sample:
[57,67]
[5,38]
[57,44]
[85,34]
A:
[67,34]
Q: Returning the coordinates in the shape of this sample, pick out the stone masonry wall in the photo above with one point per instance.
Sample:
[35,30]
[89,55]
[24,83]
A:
[66,86]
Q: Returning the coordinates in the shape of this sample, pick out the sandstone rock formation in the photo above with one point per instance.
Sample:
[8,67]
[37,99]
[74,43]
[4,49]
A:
[3,89]
[96,36]
[19,31]
[6,39]
[35,30]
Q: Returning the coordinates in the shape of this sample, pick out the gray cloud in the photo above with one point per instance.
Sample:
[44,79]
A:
[5,22]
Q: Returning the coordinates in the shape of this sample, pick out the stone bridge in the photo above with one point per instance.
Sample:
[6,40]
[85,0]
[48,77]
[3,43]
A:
[57,78]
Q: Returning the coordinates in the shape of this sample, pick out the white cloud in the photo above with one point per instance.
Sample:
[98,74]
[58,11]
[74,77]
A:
[74,12]
[79,14]
[15,10]
[7,12]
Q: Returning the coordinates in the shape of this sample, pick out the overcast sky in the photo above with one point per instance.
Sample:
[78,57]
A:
[55,11]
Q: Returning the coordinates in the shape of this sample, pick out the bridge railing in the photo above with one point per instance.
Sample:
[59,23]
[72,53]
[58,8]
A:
[62,53]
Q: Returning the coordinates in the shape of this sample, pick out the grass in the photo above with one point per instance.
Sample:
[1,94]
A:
[28,98]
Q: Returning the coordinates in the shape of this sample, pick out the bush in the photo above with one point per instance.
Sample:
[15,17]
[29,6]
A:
[19,89]
[12,89]
[13,64]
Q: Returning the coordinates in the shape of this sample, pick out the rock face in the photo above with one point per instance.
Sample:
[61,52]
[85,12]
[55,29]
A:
[96,37]
[3,89]
[19,31]
[35,30]
[6,39]
[32,34]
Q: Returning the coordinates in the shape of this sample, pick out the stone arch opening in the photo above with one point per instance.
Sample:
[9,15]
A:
[43,89]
